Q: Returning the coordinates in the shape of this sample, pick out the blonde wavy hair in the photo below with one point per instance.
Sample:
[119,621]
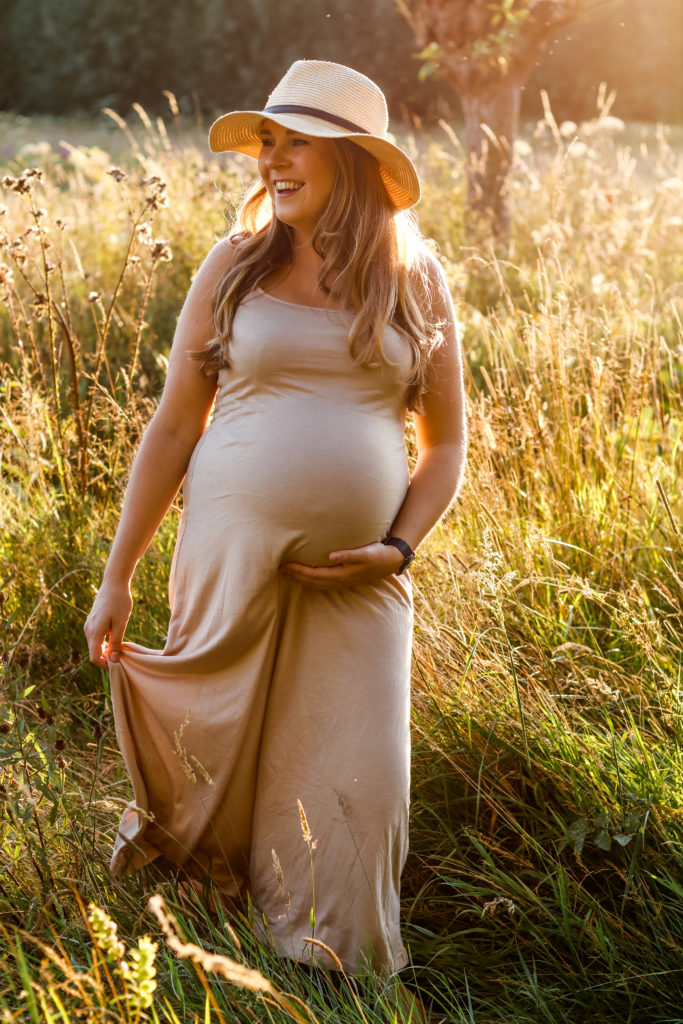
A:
[374,264]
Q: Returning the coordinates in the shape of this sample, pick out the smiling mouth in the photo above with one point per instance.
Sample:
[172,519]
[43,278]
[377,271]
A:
[285,188]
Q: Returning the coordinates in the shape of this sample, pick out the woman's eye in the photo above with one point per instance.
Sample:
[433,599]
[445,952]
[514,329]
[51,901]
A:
[299,142]
[265,143]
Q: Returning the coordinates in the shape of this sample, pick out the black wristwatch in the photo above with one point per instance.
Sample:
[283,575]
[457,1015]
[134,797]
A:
[405,549]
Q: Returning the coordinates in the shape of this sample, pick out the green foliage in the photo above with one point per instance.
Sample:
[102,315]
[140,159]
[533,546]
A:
[544,876]
[65,54]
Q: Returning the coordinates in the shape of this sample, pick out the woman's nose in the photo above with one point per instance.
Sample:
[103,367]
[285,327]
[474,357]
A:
[275,155]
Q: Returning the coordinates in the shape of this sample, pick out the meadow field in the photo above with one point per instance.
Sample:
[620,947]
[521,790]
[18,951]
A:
[545,879]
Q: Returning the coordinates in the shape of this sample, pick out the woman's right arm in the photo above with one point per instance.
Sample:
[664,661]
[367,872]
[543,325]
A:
[162,459]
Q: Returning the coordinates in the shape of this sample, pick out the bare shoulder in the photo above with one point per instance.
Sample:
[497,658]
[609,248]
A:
[215,265]
[195,325]
[437,291]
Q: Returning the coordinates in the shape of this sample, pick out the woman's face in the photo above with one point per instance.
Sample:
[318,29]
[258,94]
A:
[299,172]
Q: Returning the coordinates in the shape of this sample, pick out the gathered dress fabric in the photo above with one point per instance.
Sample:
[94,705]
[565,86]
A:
[269,698]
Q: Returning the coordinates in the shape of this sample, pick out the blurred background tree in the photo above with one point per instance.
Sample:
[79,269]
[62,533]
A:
[57,56]
[486,51]
[61,55]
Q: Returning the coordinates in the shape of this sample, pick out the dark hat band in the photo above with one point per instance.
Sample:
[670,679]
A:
[296,108]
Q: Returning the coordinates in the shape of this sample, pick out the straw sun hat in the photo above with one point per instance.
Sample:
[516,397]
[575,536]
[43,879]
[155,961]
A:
[331,101]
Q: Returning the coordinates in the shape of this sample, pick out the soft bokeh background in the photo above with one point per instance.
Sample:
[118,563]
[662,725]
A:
[60,55]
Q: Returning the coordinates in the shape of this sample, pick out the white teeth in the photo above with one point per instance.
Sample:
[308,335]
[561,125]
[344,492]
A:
[287,186]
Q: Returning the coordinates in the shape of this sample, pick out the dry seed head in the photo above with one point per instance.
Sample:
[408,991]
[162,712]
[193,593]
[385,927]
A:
[26,181]
[499,903]
[157,196]
[280,876]
[327,949]
[304,823]
[278,868]
[172,102]
[237,974]
[117,174]
[162,251]
[188,761]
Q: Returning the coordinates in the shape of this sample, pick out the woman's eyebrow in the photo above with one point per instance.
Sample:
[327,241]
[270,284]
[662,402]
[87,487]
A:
[263,130]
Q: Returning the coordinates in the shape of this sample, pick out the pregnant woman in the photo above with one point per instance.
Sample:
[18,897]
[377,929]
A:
[268,742]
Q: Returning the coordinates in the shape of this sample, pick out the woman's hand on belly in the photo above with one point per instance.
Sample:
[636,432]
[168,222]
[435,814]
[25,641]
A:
[350,569]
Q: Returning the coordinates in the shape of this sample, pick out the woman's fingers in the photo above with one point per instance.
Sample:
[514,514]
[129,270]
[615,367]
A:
[96,638]
[106,624]
[115,641]
[356,566]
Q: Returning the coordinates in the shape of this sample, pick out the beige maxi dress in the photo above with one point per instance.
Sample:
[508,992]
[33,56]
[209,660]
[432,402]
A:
[267,694]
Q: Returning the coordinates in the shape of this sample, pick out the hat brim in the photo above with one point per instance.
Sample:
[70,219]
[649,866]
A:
[239,132]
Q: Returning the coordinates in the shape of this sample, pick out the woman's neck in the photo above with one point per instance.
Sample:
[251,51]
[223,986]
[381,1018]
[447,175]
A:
[297,281]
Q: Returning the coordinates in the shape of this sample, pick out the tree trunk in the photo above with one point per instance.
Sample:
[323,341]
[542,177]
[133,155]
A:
[487,68]
[491,119]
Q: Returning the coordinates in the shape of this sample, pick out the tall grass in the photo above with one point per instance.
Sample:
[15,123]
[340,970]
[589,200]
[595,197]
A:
[544,881]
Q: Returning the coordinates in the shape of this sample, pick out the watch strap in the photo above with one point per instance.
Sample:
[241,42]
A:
[405,549]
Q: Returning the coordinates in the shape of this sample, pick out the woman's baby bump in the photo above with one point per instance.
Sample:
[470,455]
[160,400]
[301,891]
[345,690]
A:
[327,483]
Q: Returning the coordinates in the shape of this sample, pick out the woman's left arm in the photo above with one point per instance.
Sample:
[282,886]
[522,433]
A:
[441,431]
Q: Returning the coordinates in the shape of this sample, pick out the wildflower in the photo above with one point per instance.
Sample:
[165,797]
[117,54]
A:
[162,251]
[18,251]
[60,744]
[157,197]
[5,727]
[117,174]
[25,182]
[40,306]
[94,296]
[104,934]
[139,973]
